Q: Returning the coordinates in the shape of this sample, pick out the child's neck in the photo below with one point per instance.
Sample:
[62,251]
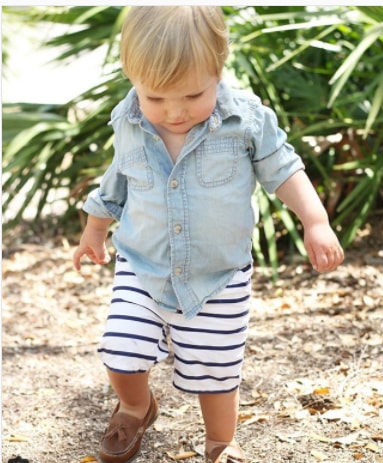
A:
[173,142]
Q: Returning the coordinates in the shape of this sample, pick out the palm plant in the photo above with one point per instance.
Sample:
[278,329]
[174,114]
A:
[64,147]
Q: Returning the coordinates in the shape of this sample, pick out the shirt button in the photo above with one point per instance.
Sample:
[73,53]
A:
[178,271]
[156,137]
[174,183]
[177,228]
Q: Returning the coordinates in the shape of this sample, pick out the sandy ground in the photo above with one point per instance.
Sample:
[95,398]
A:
[312,388]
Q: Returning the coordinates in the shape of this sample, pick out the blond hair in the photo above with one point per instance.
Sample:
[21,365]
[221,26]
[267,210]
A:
[160,45]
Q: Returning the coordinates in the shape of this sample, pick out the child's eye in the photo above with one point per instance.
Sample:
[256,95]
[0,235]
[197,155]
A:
[154,99]
[194,97]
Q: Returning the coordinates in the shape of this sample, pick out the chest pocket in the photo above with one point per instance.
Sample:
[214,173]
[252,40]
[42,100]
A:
[217,161]
[134,165]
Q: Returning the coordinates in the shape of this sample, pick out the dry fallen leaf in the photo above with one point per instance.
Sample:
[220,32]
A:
[376,401]
[182,410]
[318,455]
[244,416]
[338,414]
[321,391]
[182,456]
[319,438]
[159,427]
[290,438]
[256,419]
[314,403]
[18,438]
[372,446]
[368,301]
[88,459]
[346,440]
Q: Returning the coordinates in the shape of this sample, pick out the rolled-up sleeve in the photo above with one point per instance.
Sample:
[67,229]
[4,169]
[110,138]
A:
[274,160]
[108,200]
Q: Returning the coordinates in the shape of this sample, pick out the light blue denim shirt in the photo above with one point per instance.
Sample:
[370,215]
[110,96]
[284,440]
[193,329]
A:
[186,227]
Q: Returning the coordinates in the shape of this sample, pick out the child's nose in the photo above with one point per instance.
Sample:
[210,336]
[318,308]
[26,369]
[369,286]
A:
[175,111]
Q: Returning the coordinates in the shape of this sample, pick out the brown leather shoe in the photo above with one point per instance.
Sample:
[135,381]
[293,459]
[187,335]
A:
[122,438]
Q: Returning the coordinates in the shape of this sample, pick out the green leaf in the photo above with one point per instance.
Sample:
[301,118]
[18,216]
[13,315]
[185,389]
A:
[376,107]
[343,73]
[269,229]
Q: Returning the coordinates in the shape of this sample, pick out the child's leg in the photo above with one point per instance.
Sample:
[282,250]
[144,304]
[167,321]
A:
[220,413]
[133,392]
[136,410]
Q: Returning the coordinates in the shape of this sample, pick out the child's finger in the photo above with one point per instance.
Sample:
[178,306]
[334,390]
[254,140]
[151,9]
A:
[77,259]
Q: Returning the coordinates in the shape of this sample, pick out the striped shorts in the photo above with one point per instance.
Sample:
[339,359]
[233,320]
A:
[208,349]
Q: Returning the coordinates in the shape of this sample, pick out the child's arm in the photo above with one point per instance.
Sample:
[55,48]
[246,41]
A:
[321,243]
[92,242]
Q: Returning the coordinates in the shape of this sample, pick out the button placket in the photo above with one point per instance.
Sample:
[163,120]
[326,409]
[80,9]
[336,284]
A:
[176,204]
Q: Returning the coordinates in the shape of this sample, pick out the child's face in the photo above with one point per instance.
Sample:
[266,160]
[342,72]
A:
[177,109]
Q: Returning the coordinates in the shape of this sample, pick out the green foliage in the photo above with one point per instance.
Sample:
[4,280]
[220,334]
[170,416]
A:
[59,147]
[65,147]
[318,67]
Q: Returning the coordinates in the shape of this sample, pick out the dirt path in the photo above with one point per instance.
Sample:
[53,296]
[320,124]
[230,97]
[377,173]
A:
[312,386]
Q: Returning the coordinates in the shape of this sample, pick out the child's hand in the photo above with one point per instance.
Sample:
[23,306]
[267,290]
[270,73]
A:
[323,248]
[92,243]
[96,252]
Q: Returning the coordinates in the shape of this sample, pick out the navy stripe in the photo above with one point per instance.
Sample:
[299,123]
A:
[239,285]
[133,289]
[208,364]
[204,330]
[122,272]
[223,315]
[205,391]
[127,354]
[113,334]
[228,301]
[121,259]
[245,269]
[119,299]
[117,370]
[135,319]
[225,378]
[213,348]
